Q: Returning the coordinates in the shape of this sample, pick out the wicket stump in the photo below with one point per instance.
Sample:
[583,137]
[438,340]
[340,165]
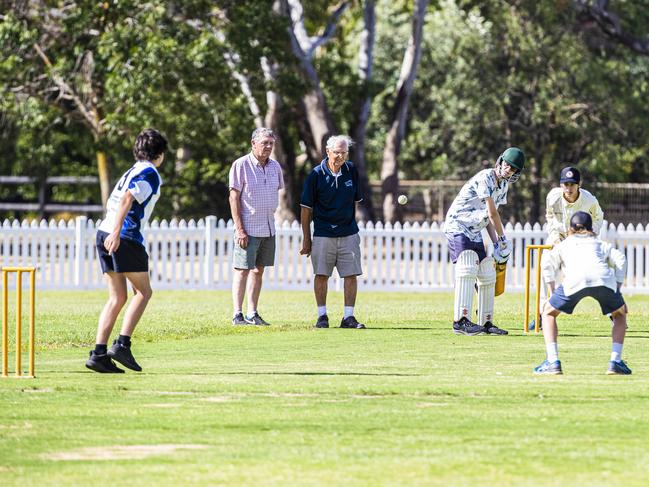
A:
[5,325]
[528,255]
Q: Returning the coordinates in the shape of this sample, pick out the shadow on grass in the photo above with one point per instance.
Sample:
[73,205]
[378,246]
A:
[142,374]
[400,328]
[286,373]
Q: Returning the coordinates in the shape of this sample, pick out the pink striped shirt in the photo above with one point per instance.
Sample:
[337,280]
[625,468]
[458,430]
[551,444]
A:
[259,198]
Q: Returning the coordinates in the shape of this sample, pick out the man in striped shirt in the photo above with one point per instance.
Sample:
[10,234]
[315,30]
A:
[255,180]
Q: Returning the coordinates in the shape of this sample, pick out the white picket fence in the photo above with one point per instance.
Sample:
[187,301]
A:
[198,255]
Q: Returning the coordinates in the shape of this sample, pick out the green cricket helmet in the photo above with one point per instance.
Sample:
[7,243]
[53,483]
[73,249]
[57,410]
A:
[516,159]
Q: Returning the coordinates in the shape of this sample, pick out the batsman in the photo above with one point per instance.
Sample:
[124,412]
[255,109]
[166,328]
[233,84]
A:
[476,208]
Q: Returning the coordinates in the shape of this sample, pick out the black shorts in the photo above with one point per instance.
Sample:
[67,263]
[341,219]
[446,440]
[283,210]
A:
[130,256]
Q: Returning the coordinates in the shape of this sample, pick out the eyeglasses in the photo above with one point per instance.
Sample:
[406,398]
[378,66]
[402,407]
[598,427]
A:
[339,153]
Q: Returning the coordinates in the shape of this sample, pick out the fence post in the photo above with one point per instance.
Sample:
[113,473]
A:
[210,247]
[81,222]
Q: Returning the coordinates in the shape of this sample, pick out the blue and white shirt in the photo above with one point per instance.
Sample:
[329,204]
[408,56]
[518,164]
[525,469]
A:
[332,198]
[468,212]
[143,181]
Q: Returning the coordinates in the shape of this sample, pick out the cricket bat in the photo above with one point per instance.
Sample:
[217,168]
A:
[501,271]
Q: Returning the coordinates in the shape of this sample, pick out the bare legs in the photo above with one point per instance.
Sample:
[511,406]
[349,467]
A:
[117,297]
[247,281]
[350,287]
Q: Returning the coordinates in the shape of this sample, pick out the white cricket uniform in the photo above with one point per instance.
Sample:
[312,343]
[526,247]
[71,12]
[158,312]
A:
[558,212]
[468,212]
[586,261]
[143,181]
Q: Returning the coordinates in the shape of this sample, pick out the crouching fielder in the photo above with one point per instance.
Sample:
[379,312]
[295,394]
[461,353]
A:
[475,208]
[591,268]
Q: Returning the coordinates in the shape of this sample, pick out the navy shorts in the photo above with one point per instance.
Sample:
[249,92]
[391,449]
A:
[130,256]
[608,299]
[458,243]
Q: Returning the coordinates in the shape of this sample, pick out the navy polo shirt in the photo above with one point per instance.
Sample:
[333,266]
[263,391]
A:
[332,200]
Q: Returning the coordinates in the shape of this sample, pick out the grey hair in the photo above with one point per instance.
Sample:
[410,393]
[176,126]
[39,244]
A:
[261,132]
[334,139]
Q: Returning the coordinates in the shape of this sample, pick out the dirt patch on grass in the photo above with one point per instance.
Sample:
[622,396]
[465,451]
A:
[128,452]
[218,399]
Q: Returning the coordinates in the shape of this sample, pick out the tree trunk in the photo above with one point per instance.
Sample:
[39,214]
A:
[317,113]
[389,166]
[104,176]
[272,121]
[303,46]
[359,126]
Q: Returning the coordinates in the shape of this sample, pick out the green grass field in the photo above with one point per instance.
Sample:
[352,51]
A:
[405,402]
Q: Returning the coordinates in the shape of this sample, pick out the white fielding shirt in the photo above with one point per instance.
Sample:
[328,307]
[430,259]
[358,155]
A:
[586,261]
[558,212]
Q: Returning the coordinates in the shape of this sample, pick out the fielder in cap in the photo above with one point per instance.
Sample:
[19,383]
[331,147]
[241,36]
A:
[474,209]
[561,203]
[591,268]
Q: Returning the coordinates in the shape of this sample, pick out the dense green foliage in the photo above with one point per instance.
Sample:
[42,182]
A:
[527,73]
[404,402]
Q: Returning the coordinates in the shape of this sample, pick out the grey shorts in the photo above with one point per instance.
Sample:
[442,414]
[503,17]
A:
[260,252]
[343,253]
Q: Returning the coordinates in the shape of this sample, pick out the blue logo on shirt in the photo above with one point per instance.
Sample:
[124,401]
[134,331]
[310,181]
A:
[348,183]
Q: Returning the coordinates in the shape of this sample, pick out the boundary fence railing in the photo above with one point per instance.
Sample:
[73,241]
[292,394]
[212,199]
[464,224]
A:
[198,255]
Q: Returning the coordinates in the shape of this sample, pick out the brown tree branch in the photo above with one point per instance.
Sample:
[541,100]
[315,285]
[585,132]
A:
[66,91]
[609,24]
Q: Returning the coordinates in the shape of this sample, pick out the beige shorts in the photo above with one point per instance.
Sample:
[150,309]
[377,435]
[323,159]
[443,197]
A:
[343,253]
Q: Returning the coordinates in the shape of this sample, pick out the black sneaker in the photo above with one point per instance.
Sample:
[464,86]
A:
[467,327]
[122,354]
[323,321]
[256,320]
[102,364]
[351,322]
[491,329]
[238,319]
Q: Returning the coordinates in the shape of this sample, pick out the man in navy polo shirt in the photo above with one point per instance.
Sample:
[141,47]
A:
[329,197]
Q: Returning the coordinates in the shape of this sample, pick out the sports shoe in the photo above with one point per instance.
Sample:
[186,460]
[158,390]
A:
[351,322]
[323,321]
[122,354]
[102,364]
[467,327]
[532,324]
[238,319]
[552,368]
[491,329]
[618,368]
[256,320]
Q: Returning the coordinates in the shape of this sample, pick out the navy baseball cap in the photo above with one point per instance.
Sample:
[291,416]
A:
[570,175]
[581,221]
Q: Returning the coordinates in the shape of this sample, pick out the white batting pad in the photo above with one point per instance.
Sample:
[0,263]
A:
[486,290]
[466,271]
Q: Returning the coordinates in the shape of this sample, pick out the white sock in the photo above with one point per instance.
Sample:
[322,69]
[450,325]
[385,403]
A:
[236,312]
[616,354]
[552,351]
[251,313]
[322,310]
[349,311]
